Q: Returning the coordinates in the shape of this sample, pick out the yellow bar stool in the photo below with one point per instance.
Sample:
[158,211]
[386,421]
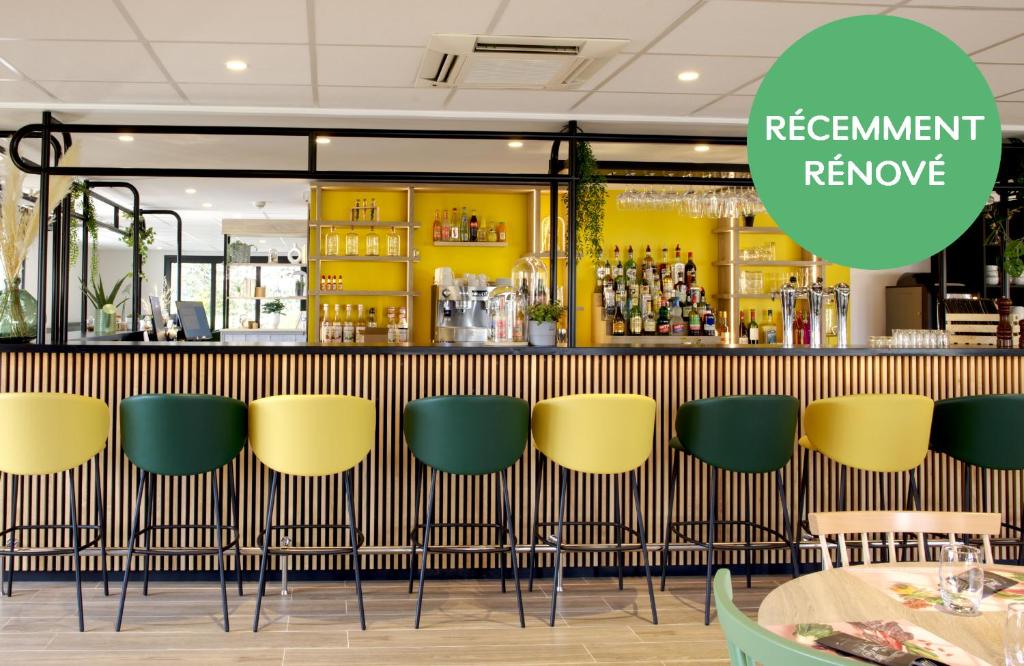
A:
[53,433]
[594,434]
[287,434]
[884,433]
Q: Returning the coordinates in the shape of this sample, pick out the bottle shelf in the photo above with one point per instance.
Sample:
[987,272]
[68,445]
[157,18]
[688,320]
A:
[267,298]
[370,292]
[257,264]
[769,264]
[371,259]
[470,244]
[364,225]
[741,296]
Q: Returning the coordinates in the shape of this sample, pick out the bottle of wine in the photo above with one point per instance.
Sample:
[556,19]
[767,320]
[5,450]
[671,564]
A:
[742,335]
[753,330]
[691,271]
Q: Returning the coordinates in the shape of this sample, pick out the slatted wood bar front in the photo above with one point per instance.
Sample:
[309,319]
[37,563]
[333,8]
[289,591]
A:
[391,378]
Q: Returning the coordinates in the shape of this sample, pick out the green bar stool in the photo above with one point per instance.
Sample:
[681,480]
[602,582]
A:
[979,432]
[594,434]
[288,435]
[182,435]
[465,435]
[746,435]
[53,433]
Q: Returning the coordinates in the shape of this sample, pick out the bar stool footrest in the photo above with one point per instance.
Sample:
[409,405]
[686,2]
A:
[625,547]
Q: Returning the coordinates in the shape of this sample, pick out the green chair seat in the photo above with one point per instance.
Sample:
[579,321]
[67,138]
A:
[980,430]
[752,433]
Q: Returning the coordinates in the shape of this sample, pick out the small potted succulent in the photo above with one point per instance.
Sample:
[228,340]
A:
[273,310]
[105,304]
[543,323]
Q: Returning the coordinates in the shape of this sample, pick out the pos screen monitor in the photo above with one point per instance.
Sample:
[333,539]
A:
[193,320]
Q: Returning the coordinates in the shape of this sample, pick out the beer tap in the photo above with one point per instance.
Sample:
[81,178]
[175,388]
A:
[816,295]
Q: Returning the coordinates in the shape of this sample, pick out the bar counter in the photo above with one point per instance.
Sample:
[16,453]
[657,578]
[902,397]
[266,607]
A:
[392,376]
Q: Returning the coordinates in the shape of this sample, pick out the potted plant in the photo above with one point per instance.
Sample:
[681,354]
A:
[273,310]
[543,322]
[105,304]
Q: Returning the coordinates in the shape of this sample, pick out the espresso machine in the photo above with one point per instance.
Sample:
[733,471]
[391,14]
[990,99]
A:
[816,295]
[460,312]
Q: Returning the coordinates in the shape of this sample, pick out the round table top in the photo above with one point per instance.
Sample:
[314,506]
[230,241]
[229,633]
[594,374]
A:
[843,595]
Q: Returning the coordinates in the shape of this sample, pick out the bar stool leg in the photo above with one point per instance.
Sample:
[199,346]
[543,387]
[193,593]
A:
[673,480]
[426,545]
[641,530]
[557,564]
[748,554]
[541,463]
[802,500]
[262,586]
[418,473]
[101,524]
[712,507]
[510,526]
[131,548]
[219,527]
[11,524]
[150,499]
[502,556]
[233,506]
[620,557]
[915,490]
[76,545]
[346,482]
[787,523]
[841,499]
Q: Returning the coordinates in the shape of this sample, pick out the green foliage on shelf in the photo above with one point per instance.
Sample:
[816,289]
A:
[275,306]
[545,312]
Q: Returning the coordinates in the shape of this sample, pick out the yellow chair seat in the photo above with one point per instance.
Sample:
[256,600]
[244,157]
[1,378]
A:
[47,433]
[806,443]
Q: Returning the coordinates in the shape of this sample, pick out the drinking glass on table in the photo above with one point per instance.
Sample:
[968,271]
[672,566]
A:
[961,579]
[1013,641]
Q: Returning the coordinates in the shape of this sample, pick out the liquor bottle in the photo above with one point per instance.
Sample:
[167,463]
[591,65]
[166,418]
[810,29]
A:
[474,227]
[608,290]
[806,337]
[630,265]
[456,233]
[333,243]
[691,271]
[374,214]
[502,234]
[648,264]
[360,328]
[696,324]
[650,322]
[753,330]
[541,295]
[446,227]
[599,268]
[724,334]
[678,269]
[394,243]
[664,323]
[770,330]
[798,327]
[392,325]
[464,226]
[636,319]
[437,225]
[702,305]
[348,328]
[618,322]
[618,272]
[492,234]
[352,243]
[403,326]
[519,324]
[373,243]
[357,210]
[371,319]
[337,328]
[710,327]
[742,335]
[524,294]
[325,326]
[677,326]
[665,272]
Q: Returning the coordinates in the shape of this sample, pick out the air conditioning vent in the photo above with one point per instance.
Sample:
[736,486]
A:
[513,63]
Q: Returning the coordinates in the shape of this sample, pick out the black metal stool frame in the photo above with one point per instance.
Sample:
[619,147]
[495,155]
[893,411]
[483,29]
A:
[76,538]
[968,503]
[147,487]
[355,541]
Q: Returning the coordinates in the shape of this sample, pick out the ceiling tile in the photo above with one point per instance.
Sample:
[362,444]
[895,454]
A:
[733,106]
[971,30]
[743,27]
[248,95]
[1003,79]
[22,91]
[658,73]
[81,61]
[279,21]
[524,101]
[750,88]
[1014,97]
[112,93]
[639,21]
[60,19]
[204,63]
[367,65]
[353,97]
[1011,113]
[970,4]
[1007,52]
[648,104]
[398,22]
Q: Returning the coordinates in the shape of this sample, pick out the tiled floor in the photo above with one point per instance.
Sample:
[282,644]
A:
[464,622]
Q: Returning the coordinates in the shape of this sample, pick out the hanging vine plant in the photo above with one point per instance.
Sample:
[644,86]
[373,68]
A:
[146,238]
[998,218]
[91,227]
[591,193]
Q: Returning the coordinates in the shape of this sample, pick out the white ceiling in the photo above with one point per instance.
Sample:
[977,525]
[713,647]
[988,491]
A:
[340,63]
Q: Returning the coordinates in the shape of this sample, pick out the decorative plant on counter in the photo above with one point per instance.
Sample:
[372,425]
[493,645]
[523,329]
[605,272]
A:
[541,312]
[92,229]
[591,193]
[541,330]
[146,238]
[274,308]
[105,303]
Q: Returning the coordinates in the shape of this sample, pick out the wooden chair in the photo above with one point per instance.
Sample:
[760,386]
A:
[841,523]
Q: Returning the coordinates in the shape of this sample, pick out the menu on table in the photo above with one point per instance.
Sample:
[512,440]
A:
[918,588]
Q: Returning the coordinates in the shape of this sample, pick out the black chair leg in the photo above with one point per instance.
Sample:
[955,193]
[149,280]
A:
[353,532]
[620,557]
[641,531]
[673,480]
[418,473]
[841,497]
[510,526]
[236,528]
[557,563]
[534,524]
[101,524]
[218,524]
[748,554]
[131,548]
[150,498]
[264,556]
[802,500]
[712,507]
[503,555]
[915,491]
[787,523]
[11,524]
[76,545]
[426,545]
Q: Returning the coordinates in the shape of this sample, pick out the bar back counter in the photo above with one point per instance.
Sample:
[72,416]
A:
[391,377]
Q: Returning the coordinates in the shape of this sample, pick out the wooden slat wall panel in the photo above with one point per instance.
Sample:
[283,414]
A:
[384,480]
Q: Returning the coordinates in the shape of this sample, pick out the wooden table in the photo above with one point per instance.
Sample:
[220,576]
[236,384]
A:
[839,596]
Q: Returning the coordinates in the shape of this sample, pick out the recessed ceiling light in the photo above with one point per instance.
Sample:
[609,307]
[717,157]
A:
[190,190]
[127,138]
[236,65]
[207,204]
[515,144]
[689,75]
[323,140]
[701,148]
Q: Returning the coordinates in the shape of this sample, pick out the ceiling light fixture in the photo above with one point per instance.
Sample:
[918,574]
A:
[515,144]
[688,75]
[127,138]
[207,204]
[323,140]
[236,65]
[701,148]
[190,190]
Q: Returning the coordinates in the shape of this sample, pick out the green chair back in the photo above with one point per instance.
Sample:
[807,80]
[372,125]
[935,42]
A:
[471,434]
[751,644]
[749,433]
[182,435]
[980,430]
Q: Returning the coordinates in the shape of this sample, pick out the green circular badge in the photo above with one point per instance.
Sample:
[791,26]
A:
[874,141]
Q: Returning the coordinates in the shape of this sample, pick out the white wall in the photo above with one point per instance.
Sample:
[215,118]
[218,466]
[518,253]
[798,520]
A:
[867,299]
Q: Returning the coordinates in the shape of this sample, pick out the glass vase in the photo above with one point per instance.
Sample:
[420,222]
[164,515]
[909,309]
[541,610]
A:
[17,314]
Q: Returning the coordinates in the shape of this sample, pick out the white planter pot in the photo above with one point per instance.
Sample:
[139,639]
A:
[272,320]
[542,333]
